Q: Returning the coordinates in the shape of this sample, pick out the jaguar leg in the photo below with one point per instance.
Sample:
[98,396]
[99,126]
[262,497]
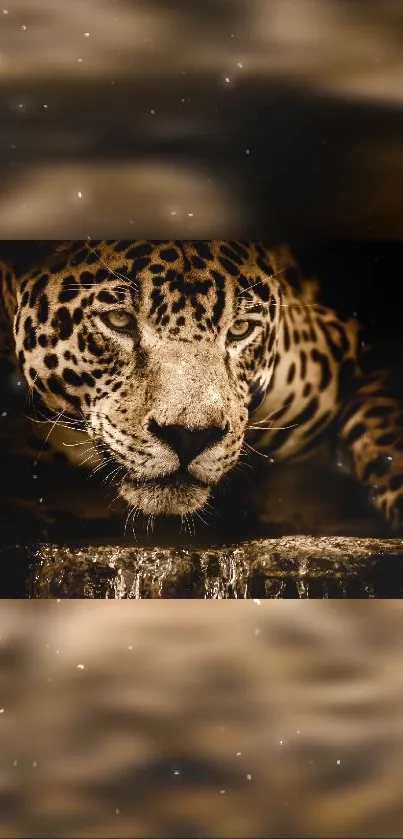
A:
[371,429]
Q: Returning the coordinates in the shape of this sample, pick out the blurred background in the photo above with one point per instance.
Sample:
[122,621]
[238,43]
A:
[251,719]
[161,118]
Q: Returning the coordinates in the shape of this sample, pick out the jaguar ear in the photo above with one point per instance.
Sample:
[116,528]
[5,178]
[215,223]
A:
[284,262]
[281,258]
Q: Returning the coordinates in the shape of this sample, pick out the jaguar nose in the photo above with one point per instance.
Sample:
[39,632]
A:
[185,442]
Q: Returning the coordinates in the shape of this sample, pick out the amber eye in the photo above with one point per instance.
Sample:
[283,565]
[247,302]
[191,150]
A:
[241,329]
[120,320]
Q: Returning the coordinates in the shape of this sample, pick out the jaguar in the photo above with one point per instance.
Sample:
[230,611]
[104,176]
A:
[174,359]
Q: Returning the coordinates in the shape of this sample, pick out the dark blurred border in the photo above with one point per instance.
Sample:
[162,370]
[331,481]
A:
[277,119]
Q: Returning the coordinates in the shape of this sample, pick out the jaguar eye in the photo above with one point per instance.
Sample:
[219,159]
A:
[120,320]
[241,329]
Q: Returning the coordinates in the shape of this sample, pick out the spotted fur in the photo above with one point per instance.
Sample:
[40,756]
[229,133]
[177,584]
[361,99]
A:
[170,357]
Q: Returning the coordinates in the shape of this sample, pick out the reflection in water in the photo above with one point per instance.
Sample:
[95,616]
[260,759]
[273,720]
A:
[279,719]
[269,113]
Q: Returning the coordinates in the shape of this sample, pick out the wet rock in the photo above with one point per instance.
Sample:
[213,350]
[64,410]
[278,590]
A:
[287,567]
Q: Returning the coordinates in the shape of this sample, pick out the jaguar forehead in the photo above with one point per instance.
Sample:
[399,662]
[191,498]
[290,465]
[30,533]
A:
[177,298]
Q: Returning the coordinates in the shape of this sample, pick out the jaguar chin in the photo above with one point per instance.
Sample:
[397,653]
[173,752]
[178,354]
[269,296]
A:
[173,495]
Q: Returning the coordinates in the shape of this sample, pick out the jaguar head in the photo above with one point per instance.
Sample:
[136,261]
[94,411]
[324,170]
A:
[158,350]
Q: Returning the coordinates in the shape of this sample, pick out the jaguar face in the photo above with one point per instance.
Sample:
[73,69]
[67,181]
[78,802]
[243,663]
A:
[159,351]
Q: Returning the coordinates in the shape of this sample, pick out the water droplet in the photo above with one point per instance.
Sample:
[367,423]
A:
[24,28]
[86,34]
[338,762]
[247,151]
[80,667]
[1,710]
[79,195]
[249,777]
